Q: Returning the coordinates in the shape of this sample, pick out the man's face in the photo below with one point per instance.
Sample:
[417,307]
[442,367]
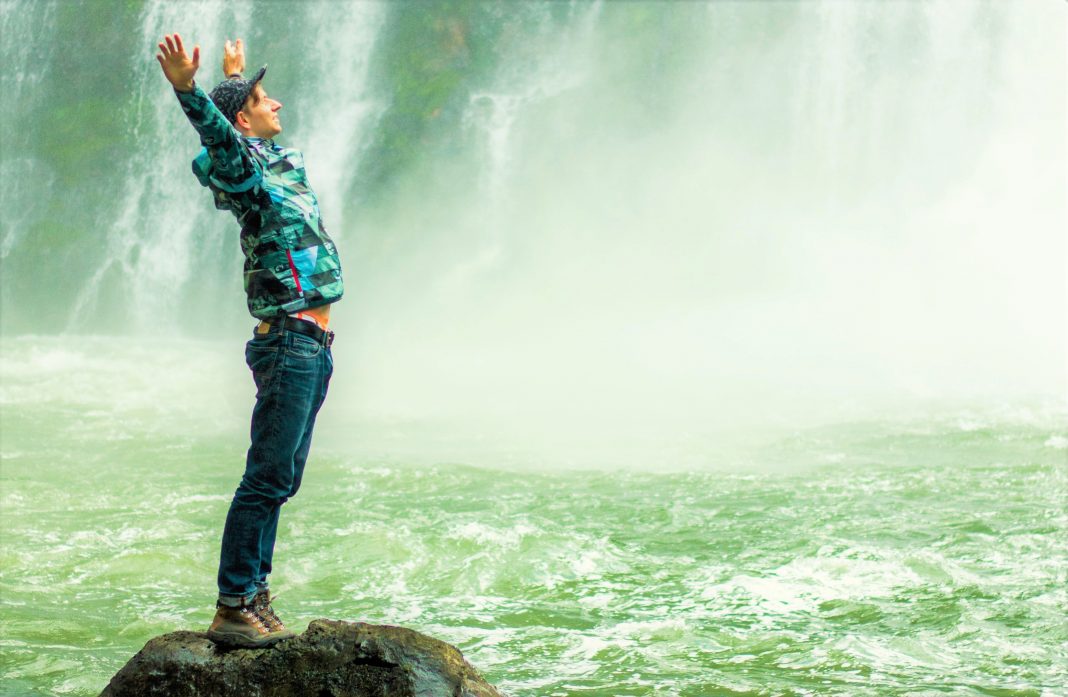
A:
[259,116]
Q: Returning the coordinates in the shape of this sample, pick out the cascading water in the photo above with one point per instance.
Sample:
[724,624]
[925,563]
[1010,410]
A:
[783,282]
[754,220]
[20,85]
[158,244]
[541,67]
[339,111]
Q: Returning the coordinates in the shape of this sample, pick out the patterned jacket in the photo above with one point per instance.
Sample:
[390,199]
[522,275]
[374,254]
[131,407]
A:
[291,263]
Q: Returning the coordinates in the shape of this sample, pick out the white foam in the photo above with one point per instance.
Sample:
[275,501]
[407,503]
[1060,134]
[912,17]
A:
[1057,442]
[490,535]
[646,630]
[801,585]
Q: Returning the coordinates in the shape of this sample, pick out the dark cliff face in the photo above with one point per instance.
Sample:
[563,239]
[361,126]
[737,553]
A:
[330,659]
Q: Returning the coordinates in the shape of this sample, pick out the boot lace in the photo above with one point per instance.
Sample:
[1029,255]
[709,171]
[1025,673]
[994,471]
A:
[266,612]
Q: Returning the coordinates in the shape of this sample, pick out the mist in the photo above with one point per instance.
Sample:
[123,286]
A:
[612,232]
[858,214]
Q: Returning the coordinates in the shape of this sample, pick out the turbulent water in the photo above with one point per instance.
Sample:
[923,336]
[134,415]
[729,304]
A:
[926,555]
[687,349]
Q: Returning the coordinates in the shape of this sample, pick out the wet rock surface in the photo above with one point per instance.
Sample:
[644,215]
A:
[330,659]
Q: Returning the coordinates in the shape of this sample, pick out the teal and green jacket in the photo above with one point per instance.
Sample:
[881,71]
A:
[291,263]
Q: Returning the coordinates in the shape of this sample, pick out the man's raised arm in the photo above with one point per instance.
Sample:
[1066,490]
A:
[233,169]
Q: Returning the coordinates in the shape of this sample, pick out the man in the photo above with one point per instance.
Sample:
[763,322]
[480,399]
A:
[292,275]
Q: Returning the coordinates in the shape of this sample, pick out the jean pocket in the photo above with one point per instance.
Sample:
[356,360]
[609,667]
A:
[262,358]
[301,346]
[263,343]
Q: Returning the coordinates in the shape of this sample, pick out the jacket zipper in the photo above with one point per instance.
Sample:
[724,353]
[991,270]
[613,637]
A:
[293,270]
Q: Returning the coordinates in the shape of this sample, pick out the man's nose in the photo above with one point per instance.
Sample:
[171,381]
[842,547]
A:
[277,105]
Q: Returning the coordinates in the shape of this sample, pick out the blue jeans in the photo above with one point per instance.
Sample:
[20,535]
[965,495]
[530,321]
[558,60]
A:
[292,372]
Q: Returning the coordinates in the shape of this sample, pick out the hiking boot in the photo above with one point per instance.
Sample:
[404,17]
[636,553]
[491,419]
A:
[243,627]
[262,605]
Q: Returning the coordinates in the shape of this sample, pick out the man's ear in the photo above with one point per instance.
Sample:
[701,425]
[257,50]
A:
[241,121]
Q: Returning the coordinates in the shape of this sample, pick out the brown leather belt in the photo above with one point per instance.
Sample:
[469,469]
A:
[292,324]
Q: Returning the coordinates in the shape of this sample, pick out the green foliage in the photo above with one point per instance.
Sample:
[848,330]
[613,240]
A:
[432,53]
[81,140]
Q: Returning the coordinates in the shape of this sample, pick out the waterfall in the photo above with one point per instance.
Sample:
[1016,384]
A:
[578,213]
[551,59]
[341,106]
[161,235]
[25,66]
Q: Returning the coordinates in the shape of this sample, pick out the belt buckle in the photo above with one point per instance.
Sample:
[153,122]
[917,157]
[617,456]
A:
[328,338]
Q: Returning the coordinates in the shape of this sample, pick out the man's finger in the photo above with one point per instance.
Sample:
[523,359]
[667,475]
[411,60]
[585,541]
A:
[170,43]
[163,49]
[178,40]
[196,56]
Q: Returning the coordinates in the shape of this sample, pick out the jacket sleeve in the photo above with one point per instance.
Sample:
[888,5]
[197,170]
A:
[233,168]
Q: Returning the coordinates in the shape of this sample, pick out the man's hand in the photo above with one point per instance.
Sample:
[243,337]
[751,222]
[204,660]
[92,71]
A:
[233,58]
[178,68]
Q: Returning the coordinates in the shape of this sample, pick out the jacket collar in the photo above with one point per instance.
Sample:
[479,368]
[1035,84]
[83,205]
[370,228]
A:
[267,142]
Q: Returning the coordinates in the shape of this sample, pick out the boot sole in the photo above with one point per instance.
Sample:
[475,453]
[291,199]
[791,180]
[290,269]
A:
[244,641]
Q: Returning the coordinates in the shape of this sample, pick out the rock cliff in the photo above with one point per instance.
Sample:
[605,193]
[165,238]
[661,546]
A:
[330,659]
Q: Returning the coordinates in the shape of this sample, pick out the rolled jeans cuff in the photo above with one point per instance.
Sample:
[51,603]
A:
[236,600]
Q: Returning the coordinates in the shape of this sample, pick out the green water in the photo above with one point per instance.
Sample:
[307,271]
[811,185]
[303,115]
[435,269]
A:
[903,556]
[622,280]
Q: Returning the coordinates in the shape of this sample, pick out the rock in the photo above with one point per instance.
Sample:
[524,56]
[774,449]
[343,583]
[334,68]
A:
[330,659]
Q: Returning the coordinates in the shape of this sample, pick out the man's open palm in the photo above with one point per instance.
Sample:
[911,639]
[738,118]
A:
[177,66]
[233,58]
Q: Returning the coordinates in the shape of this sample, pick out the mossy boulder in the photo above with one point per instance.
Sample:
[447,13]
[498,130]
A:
[330,659]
